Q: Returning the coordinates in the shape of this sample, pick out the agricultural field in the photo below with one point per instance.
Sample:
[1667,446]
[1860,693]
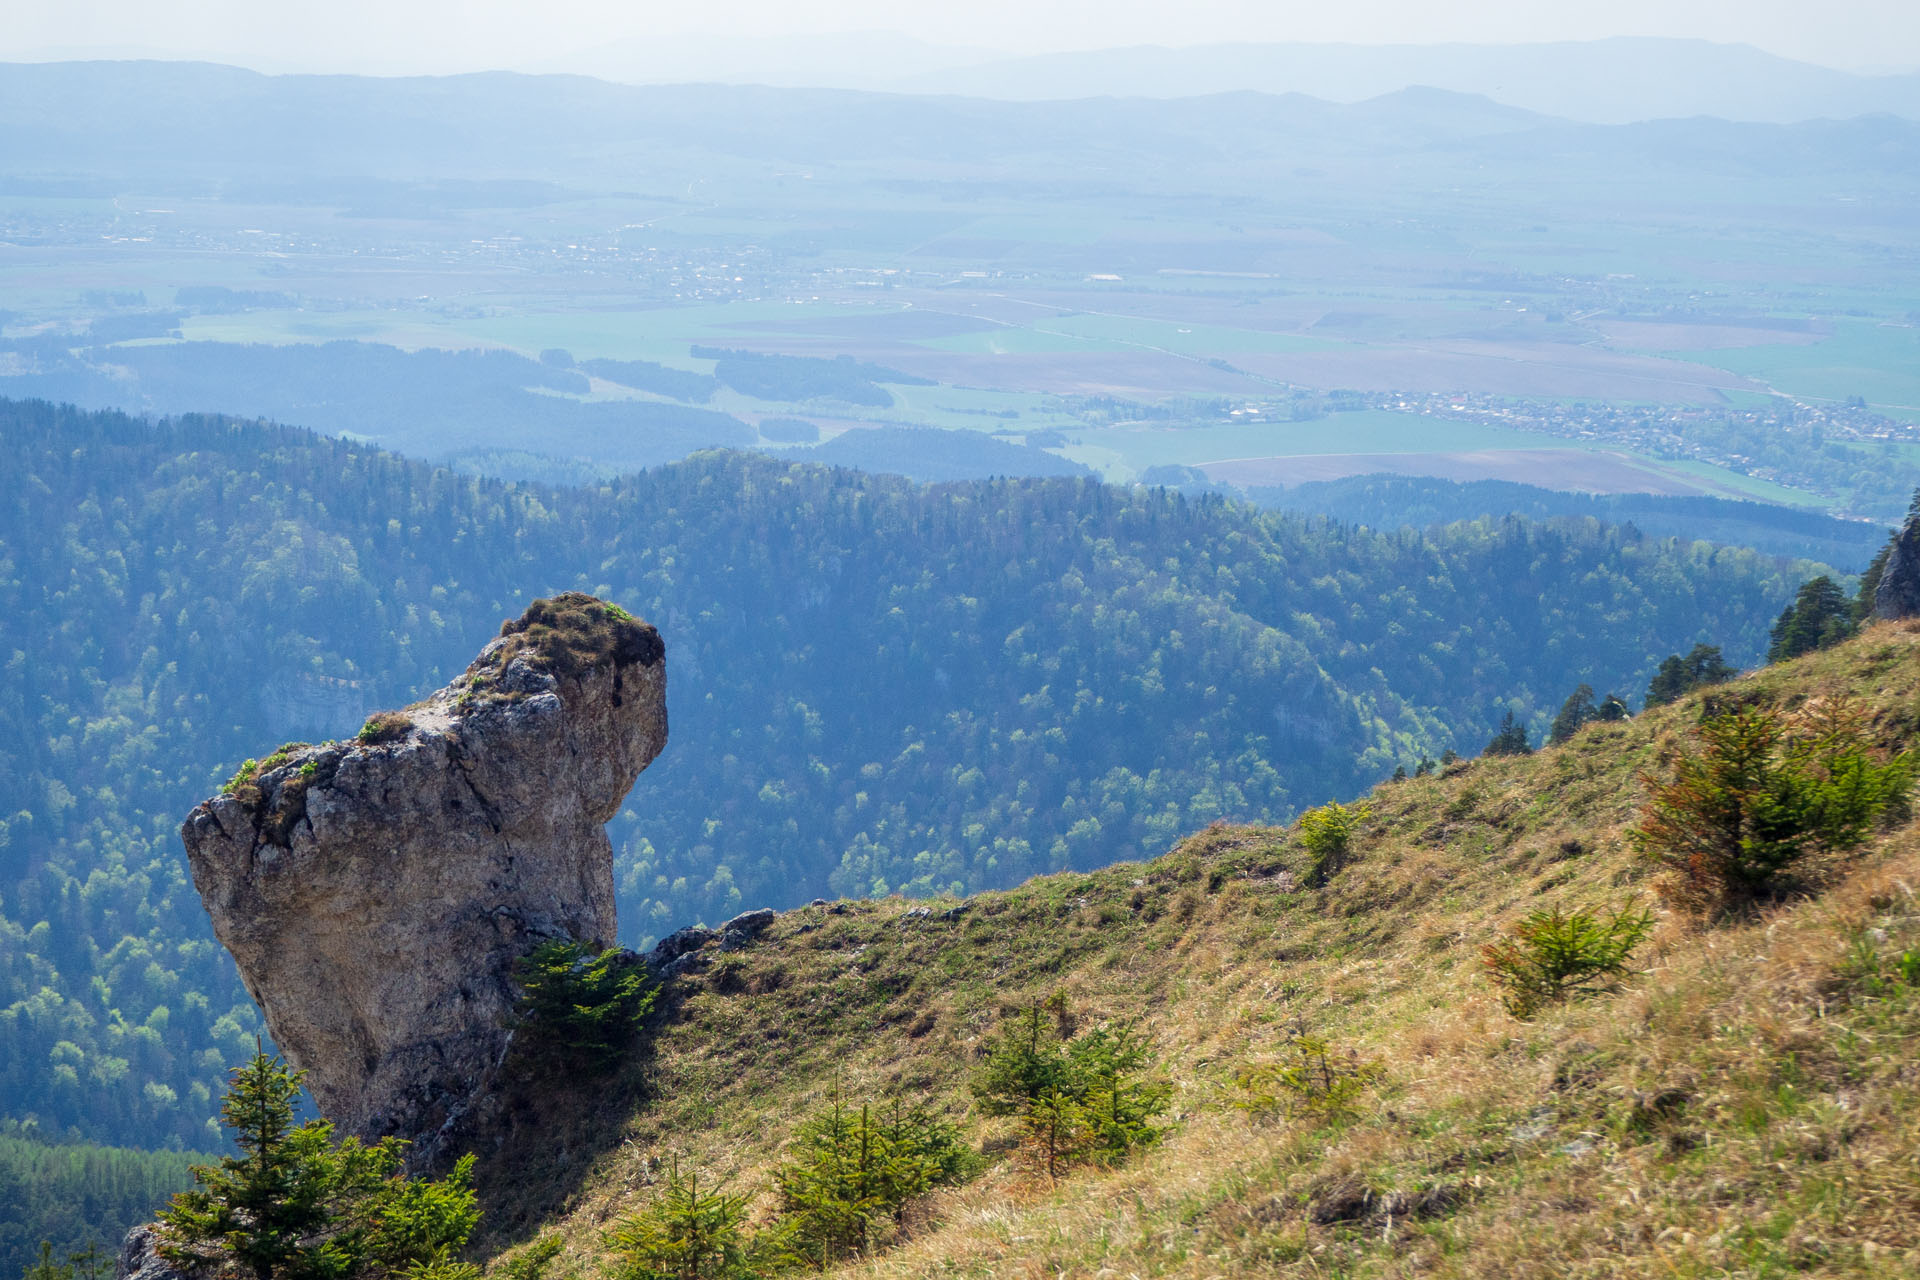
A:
[1877,361]
[1190,294]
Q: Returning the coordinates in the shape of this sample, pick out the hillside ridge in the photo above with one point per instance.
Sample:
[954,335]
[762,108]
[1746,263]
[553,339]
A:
[1699,1120]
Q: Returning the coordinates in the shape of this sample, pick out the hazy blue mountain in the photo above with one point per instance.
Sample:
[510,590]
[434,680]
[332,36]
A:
[1609,81]
[502,140]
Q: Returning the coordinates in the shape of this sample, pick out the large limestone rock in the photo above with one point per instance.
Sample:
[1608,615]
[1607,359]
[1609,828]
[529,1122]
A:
[376,893]
[1898,595]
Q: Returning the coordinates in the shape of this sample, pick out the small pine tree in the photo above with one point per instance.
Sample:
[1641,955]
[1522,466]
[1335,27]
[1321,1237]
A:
[265,1211]
[1556,954]
[296,1205]
[1761,791]
[90,1263]
[581,1007]
[854,1173]
[1511,738]
[1025,1061]
[1575,713]
[532,1262]
[1612,708]
[1052,1135]
[1680,676]
[1088,1100]
[1820,616]
[1327,834]
[686,1234]
[1308,1079]
[46,1268]
[1107,1067]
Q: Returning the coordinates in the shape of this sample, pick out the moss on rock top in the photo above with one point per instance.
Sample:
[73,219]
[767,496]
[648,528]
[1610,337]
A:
[569,635]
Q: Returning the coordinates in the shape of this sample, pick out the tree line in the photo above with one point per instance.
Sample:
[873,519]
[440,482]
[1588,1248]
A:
[875,687]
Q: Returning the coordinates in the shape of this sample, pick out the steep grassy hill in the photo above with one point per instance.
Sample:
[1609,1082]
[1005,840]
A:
[1746,1104]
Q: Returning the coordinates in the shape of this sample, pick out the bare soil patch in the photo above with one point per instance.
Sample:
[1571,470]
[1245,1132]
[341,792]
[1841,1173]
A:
[1648,335]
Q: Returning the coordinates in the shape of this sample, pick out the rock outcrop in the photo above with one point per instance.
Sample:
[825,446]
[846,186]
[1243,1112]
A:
[140,1258]
[376,894]
[685,950]
[1898,594]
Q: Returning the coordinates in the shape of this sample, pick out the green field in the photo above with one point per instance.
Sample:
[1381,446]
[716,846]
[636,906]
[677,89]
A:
[1877,360]
[1737,485]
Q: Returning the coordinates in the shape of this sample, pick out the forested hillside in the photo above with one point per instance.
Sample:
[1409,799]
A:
[875,687]
[77,1198]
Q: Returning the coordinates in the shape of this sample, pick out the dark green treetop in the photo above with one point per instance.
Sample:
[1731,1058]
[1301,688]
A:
[296,1205]
[582,1006]
[1680,676]
[1511,738]
[1820,615]
[1575,712]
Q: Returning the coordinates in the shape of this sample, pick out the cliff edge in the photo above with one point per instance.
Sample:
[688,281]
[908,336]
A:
[377,893]
[1897,594]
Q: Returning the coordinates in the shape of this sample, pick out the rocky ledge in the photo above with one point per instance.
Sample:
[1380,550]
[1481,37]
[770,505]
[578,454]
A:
[377,893]
[1897,595]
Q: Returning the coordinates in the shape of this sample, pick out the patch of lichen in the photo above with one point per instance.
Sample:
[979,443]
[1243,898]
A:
[568,635]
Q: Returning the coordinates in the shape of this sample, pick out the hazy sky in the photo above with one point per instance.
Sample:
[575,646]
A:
[452,35]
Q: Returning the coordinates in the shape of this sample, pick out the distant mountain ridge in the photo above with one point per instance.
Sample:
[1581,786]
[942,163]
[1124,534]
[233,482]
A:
[1610,81]
[1615,81]
[198,126]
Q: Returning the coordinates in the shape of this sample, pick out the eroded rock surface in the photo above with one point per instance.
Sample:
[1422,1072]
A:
[140,1258]
[377,893]
[1898,595]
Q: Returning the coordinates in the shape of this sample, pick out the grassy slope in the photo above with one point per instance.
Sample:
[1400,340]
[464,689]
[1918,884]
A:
[1746,1106]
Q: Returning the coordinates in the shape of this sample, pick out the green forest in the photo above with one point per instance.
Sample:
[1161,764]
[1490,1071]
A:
[875,687]
[78,1198]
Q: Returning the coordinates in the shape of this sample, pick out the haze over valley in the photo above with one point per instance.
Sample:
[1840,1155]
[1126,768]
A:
[1265,290]
[1023,455]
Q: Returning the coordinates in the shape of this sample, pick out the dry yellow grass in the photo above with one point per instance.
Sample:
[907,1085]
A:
[1748,1105]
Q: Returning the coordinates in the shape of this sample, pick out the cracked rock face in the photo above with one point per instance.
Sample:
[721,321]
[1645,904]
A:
[377,893]
[1898,595]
